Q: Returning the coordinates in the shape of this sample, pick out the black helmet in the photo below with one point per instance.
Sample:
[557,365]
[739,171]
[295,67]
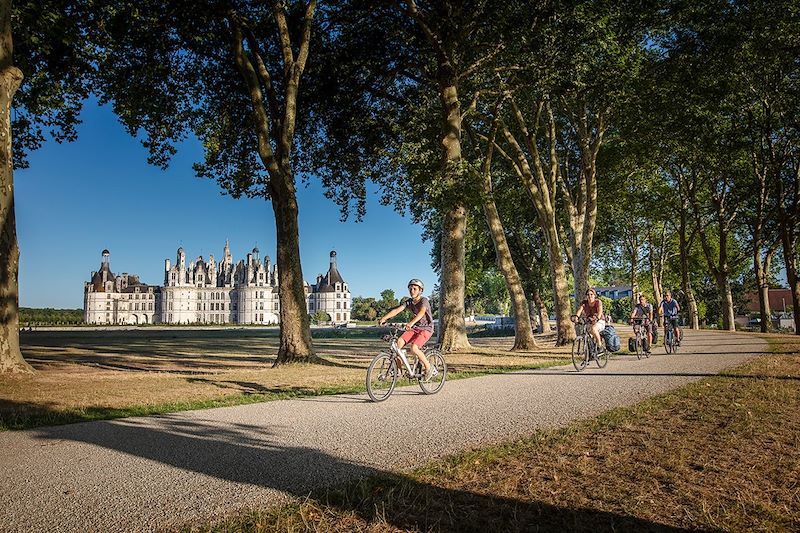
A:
[418,283]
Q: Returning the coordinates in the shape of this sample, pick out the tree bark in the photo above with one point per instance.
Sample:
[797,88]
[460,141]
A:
[295,342]
[541,187]
[582,205]
[10,79]
[452,328]
[686,285]
[523,330]
[275,127]
[544,316]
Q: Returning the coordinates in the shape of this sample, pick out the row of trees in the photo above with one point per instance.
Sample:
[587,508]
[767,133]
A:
[528,134]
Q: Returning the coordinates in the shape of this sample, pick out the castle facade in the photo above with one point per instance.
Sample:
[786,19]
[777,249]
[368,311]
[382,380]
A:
[207,292]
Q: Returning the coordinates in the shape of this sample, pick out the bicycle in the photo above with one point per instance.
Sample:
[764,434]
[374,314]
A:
[584,347]
[383,371]
[671,345]
[640,326]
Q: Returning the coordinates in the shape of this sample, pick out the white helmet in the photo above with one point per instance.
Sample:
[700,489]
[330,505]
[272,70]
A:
[418,283]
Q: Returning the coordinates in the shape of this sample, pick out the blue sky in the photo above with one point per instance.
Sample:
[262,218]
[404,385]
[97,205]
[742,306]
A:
[78,198]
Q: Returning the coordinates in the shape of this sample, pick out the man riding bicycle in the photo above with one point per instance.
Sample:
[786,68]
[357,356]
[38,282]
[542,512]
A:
[669,309]
[420,328]
[644,310]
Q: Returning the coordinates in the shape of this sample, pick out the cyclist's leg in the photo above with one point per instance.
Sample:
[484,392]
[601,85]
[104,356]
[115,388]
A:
[415,345]
[596,327]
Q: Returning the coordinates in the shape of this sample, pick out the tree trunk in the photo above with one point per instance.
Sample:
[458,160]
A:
[278,126]
[452,329]
[10,78]
[566,330]
[790,261]
[544,316]
[726,297]
[523,332]
[694,318]
[295,341]
[761,268]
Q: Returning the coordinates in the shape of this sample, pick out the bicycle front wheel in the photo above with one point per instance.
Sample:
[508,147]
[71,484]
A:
[668,342]
[438,372]
[381,377]
[638,347]
[601,358]
[579,353]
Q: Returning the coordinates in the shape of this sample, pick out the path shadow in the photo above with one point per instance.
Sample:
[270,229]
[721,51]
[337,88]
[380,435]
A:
[251,454]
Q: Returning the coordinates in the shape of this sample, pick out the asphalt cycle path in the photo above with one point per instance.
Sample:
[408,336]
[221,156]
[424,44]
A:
[151,473]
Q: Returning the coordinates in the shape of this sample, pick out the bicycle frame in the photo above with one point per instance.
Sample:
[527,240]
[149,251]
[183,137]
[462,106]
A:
[399,353]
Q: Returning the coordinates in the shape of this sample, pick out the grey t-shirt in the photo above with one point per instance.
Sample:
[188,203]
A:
[643,311]
[426,322]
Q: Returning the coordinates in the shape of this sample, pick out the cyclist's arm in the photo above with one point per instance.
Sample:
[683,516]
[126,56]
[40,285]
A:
[416,318]
[579,312]
[397,310]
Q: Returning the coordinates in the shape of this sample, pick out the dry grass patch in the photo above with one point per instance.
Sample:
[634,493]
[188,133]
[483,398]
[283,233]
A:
[83,374]
[720,454]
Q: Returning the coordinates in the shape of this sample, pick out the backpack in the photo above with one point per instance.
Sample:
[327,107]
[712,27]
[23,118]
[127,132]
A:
[612,339]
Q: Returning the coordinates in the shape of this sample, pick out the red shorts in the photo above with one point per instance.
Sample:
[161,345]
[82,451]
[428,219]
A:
[416,336]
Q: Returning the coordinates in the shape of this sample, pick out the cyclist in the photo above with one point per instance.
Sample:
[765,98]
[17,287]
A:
[420,328]
[592,307]
[644,310]
[669,309]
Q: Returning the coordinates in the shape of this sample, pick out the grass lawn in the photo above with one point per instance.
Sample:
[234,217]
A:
[84,374]
[721,454]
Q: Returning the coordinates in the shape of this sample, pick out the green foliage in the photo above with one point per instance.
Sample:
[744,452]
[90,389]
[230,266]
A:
[621,309]
[608,306]
[57,63]
[321,317]
[29,316]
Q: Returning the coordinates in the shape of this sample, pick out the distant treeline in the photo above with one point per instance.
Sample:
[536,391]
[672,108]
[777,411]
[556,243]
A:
[30,316]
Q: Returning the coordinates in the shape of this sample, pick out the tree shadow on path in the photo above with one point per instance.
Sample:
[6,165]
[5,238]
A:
[252,455]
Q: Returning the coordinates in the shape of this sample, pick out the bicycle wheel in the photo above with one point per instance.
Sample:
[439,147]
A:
[439,373]
[580,353]
[381,377]
[601,358]
[638,346]
[668,341]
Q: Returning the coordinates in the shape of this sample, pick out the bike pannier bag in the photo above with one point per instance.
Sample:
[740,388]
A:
[613,344]
[632,344]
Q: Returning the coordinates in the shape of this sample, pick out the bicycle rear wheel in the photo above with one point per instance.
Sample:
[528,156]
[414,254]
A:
[580,355]
[439,372]
[381,377]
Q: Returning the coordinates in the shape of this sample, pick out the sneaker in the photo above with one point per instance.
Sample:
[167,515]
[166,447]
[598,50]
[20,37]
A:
[429,373]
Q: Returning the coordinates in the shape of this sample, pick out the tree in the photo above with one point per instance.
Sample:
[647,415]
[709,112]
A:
[10,78]
[523,332]
[231,74]
[45,71]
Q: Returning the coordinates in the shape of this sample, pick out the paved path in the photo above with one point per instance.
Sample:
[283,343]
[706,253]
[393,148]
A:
[144,474]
